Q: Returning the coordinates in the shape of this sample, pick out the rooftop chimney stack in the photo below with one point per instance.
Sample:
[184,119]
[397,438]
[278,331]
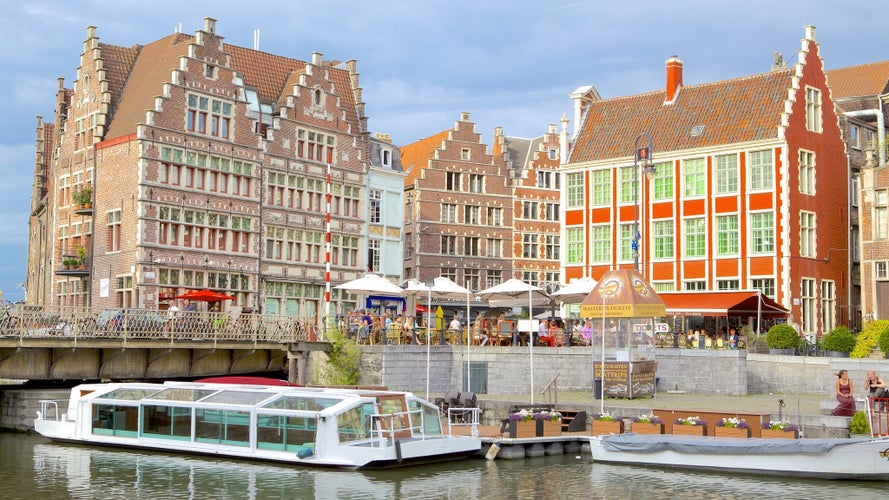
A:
[674,77]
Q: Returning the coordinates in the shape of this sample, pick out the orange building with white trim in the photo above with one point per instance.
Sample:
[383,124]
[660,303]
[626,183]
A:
[749,190]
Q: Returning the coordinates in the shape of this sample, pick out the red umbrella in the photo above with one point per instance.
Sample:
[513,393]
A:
[204,296]
[421,309]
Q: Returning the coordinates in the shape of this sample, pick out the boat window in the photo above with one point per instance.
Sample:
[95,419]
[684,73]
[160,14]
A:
[115,420]
[180,394]
[431,423]
[286,433]
[222,426]
[166,421]
[354,424]
[238,397]
[302,403]
[128,394]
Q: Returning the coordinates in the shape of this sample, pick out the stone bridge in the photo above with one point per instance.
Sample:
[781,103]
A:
[41,344]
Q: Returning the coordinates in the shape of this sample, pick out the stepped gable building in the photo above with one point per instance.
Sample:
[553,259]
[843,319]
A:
[205,165]
[458,215]
[536,206]
[862,94]
[749,191]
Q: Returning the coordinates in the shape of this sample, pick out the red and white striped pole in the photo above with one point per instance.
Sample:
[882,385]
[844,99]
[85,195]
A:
[327,322]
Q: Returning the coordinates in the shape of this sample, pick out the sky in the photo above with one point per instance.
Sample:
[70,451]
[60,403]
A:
[510,63]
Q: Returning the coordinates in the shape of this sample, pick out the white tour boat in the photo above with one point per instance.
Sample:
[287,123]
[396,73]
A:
[833,458]
[344,428]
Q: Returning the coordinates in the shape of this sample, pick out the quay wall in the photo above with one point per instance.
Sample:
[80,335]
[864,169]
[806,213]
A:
[506,371]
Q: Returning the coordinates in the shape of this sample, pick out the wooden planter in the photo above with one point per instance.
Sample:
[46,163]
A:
[732,432]
[776,434]
[689,430]
[647,428]
[608,427]
[522,428]
[549,428]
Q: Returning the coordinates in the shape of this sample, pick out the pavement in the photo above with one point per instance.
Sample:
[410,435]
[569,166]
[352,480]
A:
[803,404]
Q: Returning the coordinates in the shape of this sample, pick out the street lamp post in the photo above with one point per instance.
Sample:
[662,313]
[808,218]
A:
[642,152]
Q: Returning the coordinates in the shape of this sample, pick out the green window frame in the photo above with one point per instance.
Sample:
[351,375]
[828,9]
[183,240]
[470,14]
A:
[695,237]
[664,240]
[695,177]
[727,238]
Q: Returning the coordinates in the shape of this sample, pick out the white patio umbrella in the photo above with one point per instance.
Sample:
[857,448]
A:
[514,292]
[576,291]
[442,288]
[372,284]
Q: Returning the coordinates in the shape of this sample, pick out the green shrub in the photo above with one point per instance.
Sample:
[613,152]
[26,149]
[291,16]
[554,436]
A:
[883,340]
[868,338]
[859,424]
[840,339]
[782,336]
[343,360]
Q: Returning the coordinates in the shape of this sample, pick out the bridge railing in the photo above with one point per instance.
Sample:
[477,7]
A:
[81,323]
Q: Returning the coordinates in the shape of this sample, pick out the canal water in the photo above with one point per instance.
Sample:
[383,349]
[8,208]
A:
[32,467]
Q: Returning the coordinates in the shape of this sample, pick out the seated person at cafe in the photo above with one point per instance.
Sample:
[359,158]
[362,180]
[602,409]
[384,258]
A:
[455,329]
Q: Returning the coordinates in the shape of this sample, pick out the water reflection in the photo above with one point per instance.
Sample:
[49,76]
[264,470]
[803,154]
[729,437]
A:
[74,471]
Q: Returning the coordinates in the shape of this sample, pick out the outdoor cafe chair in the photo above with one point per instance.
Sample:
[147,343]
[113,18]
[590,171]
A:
[394,334]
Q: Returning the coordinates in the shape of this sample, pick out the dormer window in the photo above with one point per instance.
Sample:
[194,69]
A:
[317,97]
[464,154]
[387,158]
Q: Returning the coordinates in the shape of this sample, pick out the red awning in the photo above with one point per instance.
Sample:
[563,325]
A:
[730,303]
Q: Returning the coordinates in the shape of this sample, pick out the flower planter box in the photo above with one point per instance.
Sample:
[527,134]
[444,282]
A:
[608,427]
[733,432]
[689,430]
[549,427]
[522,428]
[778,434]
[647,428]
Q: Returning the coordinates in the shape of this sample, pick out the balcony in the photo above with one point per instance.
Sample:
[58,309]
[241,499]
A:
[83,201]
[73,263]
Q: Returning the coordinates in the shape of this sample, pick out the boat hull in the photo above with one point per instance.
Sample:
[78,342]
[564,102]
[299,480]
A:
[821,458]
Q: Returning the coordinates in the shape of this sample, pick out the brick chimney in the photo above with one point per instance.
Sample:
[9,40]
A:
[674,77]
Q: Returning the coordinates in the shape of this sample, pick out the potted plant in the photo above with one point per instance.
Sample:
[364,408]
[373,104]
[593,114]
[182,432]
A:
[70,262]
[883,342]
[647,424]
[859,426]
[84,197]
[690,426]
[780,429]
[549,423]
[522,424]
[81,256]
[732,427]
[782,339]
[607,423]
[838,342]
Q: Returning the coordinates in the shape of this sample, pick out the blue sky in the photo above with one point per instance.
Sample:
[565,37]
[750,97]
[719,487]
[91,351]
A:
[422,63]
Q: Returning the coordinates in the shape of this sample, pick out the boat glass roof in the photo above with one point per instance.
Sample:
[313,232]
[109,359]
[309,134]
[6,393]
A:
[128,394]
[182,394]
[238,397]
[305,403]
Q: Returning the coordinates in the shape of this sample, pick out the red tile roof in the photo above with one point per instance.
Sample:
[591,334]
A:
[857,81]
[730,111]
[415,156]
[139,72]
[150,71]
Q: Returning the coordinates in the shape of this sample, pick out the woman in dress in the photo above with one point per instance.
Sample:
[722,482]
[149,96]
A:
[846,406]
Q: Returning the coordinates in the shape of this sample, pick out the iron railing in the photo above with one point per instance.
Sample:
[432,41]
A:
[29,322]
